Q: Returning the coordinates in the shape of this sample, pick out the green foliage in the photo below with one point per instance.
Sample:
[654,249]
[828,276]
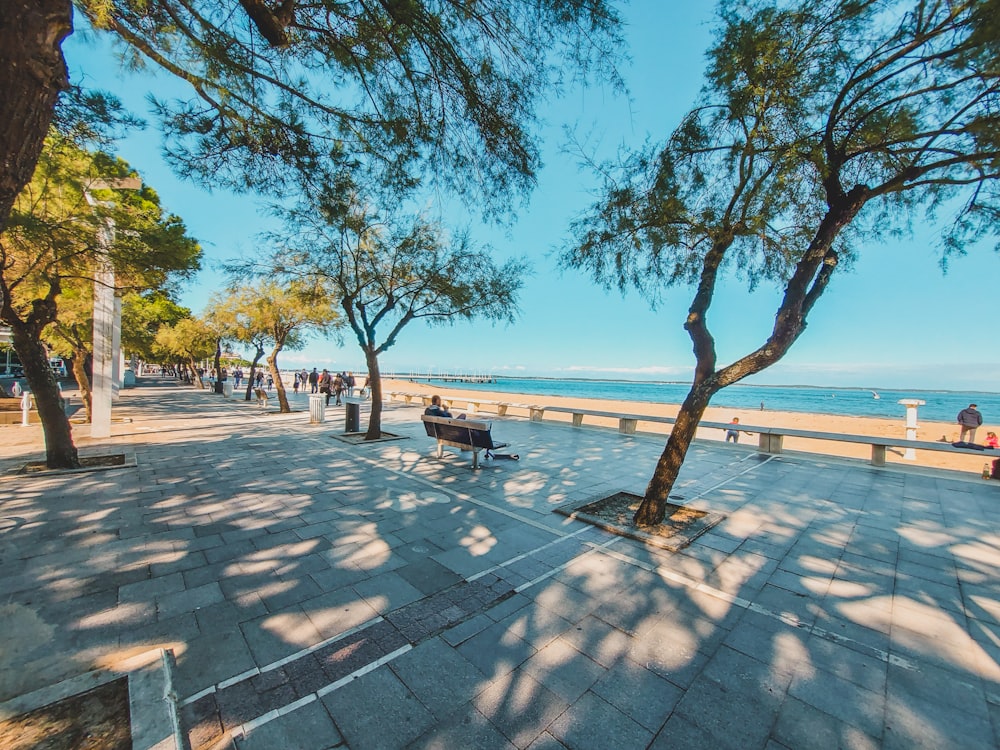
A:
[58,232]
[441,90]
[268,313]
[809,107]
[142,316]
[188,340]
[386,270]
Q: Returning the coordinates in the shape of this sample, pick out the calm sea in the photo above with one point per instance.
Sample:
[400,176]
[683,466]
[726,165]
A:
[941,406]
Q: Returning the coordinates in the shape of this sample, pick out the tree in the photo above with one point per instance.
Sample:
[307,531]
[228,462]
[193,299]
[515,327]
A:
[57,239]
[386,271]
[450,85]
[142,315]
[188,341]
[280,315]
[822,124]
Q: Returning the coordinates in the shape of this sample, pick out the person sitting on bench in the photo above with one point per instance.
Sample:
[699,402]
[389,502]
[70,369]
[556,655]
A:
[437,410]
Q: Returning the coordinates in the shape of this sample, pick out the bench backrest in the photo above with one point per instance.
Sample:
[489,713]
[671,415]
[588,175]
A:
[464,431]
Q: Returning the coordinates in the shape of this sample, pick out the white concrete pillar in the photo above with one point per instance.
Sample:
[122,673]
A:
[117,356]
[104,335]
[911,404]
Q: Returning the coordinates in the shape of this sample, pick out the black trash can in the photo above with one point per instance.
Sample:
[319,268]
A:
[352,415]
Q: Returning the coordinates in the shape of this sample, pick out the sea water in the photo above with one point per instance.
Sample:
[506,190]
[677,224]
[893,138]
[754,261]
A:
[940,406]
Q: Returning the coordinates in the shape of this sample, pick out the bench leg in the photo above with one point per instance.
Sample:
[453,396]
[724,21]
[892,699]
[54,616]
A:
[475,458]
[577,420]
[769,443]
[440,449]
[627,426]
[502,410]
[536,414]
[878,455]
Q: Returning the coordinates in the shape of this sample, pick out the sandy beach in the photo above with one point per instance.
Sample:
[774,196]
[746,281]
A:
[749,418]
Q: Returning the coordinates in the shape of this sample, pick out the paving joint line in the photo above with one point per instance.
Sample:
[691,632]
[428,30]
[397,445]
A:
[244,728]
[785,617]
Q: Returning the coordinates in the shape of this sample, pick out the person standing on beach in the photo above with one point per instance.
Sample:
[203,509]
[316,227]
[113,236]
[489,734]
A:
[969,420]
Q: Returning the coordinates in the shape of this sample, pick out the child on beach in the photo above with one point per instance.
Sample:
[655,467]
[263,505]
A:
[733,431]
[991,440]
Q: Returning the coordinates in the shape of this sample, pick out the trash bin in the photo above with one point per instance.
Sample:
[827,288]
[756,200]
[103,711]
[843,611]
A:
[352,415]
[227,388]
[317,408]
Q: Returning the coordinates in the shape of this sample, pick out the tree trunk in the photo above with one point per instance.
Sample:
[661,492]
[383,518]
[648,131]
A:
[272,366]
[375,383]
[60,453]
[32,74]
[195,374]
[83,381]
[654,504]
[253,373]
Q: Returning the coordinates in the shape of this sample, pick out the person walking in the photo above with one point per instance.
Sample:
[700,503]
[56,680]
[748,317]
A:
[326,385]
[314,381]
[338,387]
[969,420]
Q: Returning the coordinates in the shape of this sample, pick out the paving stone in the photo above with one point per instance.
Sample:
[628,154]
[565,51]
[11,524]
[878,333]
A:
[207,660]
[465,728]
[519,706]
[644,696]
[562,669]
[592,723]
[439,676]
[495,651]
[306,675]
[345,656]
[336,612]
[239,704]
[802,725]
[307,727]
[735,716]
[914,723]
[393,717]
[188,600]
[202,721]
[842,699]
[428,576]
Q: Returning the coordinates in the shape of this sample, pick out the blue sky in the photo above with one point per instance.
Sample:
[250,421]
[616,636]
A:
[893,321]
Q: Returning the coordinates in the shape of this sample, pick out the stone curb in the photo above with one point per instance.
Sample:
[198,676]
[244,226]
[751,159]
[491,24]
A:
[152,702]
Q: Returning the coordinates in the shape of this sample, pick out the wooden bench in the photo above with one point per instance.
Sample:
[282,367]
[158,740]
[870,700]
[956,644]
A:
[465,434]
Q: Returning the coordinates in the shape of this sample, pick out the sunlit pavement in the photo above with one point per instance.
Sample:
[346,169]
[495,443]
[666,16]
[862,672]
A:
[321,594]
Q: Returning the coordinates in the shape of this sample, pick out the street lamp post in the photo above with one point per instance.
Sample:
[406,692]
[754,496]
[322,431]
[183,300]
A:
[107,316]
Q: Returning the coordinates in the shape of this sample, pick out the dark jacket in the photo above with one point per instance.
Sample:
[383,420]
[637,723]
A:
[970,418]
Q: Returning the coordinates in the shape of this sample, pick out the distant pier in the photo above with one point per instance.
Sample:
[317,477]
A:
[445,377]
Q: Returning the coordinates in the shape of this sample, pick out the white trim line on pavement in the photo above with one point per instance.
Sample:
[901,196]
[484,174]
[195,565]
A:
[279,663]
[244,729]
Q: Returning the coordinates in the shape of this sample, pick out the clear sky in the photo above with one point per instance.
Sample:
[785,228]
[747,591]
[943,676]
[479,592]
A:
[893,321]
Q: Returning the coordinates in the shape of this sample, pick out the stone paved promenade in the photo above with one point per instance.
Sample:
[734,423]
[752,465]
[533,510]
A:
[319,594]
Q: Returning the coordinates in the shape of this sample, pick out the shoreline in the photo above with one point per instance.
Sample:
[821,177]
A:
[750,418]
